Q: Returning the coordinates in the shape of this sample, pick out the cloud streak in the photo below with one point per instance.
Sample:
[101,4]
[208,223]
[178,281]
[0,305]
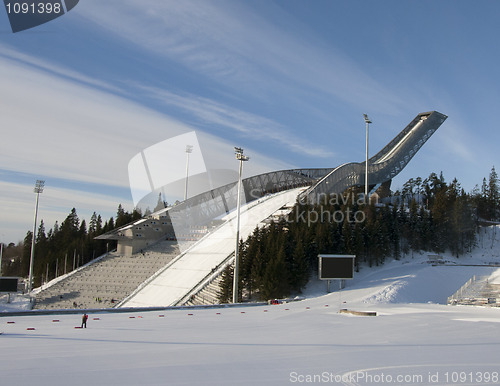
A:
[57,70]
[250,125]
[213,39]
[85,140]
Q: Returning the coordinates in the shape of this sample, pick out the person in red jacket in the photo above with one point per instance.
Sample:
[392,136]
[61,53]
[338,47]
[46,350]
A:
[84,320]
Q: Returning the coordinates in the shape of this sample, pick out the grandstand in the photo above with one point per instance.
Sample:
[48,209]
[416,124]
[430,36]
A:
[477,291]
[174,256]
[106,281]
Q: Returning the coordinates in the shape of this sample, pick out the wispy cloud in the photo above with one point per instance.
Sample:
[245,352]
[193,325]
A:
[250,125]
[55,69]
[93,138]
[213,39]
[89,140]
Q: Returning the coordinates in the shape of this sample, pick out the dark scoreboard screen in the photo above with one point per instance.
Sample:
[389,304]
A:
[8,284]
[336,267]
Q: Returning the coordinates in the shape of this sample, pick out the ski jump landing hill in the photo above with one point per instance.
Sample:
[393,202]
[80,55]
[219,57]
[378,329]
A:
[204,228]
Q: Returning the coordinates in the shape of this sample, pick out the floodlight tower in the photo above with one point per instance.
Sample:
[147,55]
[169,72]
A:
[38,189]
[240,157]
[189,150]
[367,121]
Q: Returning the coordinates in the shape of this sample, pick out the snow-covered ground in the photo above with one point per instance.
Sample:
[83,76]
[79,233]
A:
[13,304]
[414,339]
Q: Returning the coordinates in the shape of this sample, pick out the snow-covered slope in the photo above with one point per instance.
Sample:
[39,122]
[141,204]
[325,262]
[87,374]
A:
[414,280]
[408,281]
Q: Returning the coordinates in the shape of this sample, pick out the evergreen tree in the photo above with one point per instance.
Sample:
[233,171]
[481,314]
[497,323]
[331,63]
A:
[122,217]
[276,278]
[440,215]
[40,236]
[25,262]
[93,224]
[258,269]
[480,200]
[493,197]
[419,189]
[299,270]
[225,293]
[347,238]
[414,239]
[55,230]
[425,229]
[42,251]
[250,252]
[98,227]
[137,215]
[82,232]
[358,244]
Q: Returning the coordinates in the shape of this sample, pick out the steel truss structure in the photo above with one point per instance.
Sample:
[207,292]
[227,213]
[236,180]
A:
[202,209]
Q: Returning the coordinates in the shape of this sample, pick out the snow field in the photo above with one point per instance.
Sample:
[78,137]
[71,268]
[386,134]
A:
[254,345]
[413,340]
[269,345]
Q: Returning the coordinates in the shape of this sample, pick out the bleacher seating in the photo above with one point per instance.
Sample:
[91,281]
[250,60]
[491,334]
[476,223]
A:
[107,281]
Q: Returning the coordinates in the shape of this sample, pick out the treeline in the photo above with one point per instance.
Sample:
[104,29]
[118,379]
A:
[426,215]
[64,247]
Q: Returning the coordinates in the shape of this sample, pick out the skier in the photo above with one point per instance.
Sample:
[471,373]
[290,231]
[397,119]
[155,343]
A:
[84,320]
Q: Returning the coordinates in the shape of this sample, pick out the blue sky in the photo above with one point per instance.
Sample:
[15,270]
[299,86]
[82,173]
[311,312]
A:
[287,80]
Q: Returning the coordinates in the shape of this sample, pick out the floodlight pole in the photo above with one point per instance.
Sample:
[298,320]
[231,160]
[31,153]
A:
[189,150]
[38,189]
[367,120]
[240,157]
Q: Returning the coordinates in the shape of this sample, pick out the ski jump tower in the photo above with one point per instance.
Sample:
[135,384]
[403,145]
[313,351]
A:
[203,208]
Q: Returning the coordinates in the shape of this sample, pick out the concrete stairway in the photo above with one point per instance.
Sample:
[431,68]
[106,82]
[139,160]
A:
[208,295]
